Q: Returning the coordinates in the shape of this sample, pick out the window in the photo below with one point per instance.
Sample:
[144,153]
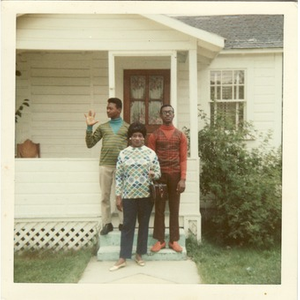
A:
[227,95]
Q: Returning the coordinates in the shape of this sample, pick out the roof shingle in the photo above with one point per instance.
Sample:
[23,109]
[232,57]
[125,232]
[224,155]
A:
[242,31]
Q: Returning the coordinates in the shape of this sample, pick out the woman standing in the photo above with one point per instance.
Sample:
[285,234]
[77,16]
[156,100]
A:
[137,165]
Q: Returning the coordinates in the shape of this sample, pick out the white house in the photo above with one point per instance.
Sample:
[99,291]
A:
[71,63]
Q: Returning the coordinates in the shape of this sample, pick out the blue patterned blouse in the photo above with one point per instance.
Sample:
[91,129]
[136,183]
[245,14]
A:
[132,172]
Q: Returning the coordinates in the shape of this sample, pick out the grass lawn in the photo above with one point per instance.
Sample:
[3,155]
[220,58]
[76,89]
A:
[51,267]
[235,265]
[216,264]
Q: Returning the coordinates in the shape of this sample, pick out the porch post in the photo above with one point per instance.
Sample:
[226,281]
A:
[193,87]
[173,100]
[111,75]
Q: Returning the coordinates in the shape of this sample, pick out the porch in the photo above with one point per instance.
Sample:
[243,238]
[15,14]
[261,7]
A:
[57,203]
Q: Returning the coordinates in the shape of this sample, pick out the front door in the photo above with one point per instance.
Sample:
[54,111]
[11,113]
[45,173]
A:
[145,91]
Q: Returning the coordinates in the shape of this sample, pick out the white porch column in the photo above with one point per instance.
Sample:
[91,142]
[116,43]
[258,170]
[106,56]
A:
[173,100]
[193,87]
[111,75]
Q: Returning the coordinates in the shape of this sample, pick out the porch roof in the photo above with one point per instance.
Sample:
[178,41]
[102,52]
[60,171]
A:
[48,32]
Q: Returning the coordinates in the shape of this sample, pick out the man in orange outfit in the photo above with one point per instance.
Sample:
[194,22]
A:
[170,145]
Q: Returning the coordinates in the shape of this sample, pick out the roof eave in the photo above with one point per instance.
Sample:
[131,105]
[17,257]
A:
[252,50]
[211,40]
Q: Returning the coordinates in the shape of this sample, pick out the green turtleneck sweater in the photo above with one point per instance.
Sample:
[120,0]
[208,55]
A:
[114,139]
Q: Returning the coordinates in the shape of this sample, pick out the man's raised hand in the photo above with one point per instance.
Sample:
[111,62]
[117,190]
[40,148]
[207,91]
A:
[90,118]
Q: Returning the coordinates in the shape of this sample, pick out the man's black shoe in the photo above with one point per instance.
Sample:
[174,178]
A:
[120,227]
[106,229]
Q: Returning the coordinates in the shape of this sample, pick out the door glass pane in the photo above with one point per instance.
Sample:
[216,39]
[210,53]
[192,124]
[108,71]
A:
[137,112]
[154,107]
[137,86]
[156,87]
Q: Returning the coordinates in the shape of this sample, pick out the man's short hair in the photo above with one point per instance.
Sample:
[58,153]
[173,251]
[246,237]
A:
[116,101]
[166,105]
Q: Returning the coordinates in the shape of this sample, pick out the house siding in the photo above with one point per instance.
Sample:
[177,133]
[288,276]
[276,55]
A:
[263,73]
[69,189]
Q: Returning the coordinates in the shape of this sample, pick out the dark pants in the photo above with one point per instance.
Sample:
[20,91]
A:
[135,209]
[174,199]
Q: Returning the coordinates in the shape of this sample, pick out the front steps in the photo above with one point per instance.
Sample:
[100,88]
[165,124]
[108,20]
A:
[109,247]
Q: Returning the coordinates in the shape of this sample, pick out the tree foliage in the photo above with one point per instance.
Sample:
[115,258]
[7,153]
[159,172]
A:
[244,184]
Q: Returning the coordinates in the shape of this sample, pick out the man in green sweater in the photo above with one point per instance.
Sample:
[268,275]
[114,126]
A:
[114,139]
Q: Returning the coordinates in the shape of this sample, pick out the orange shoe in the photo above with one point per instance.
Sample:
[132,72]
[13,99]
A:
[158,246]
[175,246]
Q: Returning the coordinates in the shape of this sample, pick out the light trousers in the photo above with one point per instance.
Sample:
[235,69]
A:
[107,182]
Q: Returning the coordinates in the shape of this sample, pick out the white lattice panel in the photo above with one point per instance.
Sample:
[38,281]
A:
[192,225]
[55,235]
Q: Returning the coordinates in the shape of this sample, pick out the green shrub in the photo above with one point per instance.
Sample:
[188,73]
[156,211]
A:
[244,184]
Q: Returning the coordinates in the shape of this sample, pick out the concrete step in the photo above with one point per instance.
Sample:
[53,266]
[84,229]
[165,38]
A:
[109,247]
[113,238]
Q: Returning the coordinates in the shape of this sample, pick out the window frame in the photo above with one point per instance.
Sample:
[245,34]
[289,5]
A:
[213,103]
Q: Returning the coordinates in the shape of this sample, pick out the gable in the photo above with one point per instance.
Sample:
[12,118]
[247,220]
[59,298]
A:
[105,32]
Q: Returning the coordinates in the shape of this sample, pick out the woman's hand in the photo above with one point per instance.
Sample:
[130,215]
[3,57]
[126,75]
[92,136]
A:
[90,118]
[119,203]
[151,174]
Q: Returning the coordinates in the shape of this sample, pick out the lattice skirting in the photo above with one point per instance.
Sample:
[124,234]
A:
[192,225]
[55,235]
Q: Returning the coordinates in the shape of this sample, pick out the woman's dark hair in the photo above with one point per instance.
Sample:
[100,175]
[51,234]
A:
[137,127]
[116,101]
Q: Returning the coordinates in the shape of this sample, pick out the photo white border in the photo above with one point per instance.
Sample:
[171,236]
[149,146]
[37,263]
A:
[288,287]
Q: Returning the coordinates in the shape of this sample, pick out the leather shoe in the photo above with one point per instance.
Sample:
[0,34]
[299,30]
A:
[175,246]
[158,246]
[120,227]
[117,267]
[106,229]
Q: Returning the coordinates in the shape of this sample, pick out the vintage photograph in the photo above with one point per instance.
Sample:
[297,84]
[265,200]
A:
[148,148]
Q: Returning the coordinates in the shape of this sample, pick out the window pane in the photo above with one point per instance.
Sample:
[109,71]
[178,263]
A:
[226,92]
[239,77]
[154,107]
[227,77]
[212,113]
[227,110]
[239,92]
[137,84]
[241,112]
[212,93]
[156,87]
[218,96]
[215,77]
[137,112]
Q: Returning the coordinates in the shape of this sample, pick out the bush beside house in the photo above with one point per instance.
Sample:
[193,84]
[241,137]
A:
[244,185]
